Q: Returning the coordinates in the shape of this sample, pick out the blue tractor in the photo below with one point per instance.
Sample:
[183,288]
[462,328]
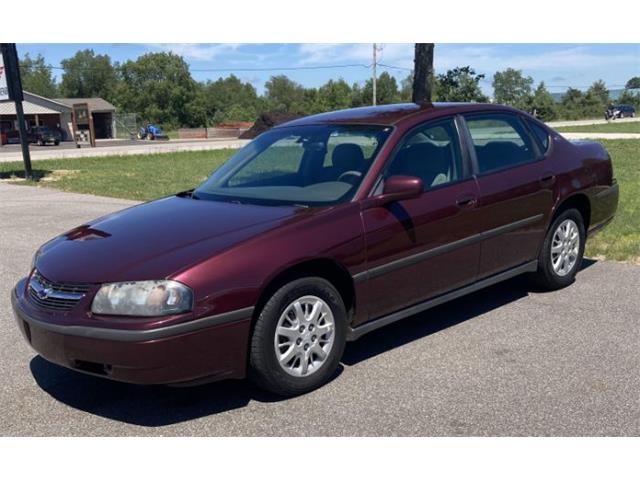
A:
[152,132]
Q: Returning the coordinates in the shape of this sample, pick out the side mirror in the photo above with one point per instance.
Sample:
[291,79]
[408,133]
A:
[398,187]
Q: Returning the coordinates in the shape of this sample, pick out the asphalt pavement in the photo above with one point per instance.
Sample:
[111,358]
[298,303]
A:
[13,152]
[504,361]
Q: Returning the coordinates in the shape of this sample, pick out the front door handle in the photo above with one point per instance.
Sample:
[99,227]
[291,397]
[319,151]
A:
[467,201]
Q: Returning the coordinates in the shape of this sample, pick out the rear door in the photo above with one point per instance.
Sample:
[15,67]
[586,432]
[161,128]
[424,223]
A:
[515,182]
[421,247]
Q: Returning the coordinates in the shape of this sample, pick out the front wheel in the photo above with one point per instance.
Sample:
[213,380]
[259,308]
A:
[562,251]
[299,337]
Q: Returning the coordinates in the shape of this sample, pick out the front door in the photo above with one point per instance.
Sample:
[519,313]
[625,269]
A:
[419,248]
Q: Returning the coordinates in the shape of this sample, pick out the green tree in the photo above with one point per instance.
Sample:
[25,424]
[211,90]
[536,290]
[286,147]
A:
[460,84]
[633,82]
[595,100]
[406,88]
[283,94]
[159,87]
[89,75]
[510,87]
[571,104]
[36,77]
[386,90]
[629,98]
[543,103]
[333,95]
[229,99]
[357,99]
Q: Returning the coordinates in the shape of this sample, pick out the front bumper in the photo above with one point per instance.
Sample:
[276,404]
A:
[201,350]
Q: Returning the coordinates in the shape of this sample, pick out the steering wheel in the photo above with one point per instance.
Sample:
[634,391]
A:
[353,173]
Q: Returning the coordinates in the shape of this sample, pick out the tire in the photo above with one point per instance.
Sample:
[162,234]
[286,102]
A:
[56,143]
[549,277]
[265,368]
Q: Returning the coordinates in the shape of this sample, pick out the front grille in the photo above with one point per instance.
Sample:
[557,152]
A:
[55,296]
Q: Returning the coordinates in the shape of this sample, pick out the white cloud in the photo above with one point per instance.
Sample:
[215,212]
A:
[331,53]
[487,59]
[197,51]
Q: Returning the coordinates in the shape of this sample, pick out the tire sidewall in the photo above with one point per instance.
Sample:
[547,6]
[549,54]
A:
[555,280]
[264,366]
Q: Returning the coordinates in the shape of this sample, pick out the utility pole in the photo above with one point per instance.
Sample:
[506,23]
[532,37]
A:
[10,73]
[423,73]
[375,51]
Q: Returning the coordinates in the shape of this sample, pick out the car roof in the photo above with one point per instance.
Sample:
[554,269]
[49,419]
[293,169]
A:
[393,114]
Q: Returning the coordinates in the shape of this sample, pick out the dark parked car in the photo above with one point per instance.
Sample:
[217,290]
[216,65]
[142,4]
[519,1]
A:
[43,135]
[317,232]
[620,111]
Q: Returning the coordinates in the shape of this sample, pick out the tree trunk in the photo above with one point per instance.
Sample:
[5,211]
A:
[423,73]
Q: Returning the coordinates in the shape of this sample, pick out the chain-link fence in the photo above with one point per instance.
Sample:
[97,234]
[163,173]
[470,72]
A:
[126,125]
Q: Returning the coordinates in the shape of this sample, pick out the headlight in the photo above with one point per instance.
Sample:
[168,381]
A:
[152,298]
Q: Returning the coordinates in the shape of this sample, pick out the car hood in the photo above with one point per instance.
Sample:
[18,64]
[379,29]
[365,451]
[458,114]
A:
[155,240]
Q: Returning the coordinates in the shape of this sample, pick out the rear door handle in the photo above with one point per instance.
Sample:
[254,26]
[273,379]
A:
[468,201]
[547,179]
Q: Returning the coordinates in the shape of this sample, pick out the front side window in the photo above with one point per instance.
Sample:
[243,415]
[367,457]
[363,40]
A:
[500,141]
[431,153]
[306,165]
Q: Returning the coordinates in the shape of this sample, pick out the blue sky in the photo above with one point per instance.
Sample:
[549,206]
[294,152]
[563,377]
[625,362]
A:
[558,65]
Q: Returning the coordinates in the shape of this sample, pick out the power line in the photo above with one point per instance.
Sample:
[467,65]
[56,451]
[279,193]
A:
[395,67]
[257,69]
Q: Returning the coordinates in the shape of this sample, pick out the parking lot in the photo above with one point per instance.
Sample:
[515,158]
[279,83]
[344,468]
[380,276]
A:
[503,361]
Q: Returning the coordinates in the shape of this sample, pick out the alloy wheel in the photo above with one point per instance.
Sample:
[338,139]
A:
[304,336]
[565,246]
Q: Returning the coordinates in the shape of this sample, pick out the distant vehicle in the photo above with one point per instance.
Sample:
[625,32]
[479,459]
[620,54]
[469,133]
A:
[152,132]
[43,135]
[620,111]
[11,136]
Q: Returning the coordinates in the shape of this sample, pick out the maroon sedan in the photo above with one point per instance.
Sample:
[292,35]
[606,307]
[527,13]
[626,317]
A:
[317,232]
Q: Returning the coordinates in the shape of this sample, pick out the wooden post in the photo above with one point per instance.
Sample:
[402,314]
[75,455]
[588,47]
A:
[423,73]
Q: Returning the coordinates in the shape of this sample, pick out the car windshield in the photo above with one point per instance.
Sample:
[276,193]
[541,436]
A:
[307,165]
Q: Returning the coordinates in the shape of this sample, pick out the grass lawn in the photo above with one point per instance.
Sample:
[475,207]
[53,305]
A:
[137,177]
[145,177]
[620,240]
[611,127]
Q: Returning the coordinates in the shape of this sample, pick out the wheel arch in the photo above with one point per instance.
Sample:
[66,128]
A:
[580,202]
[330,269]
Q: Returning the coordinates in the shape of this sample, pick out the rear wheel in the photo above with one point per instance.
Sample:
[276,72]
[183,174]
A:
[562,251]
[299,337]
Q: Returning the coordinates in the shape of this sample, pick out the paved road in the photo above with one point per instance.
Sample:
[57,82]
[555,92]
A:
[600,136]
[12,153]
[572,123]
[504,361]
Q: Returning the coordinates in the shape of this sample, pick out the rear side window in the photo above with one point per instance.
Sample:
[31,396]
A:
[500,141]
[430,153]
[541,135]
